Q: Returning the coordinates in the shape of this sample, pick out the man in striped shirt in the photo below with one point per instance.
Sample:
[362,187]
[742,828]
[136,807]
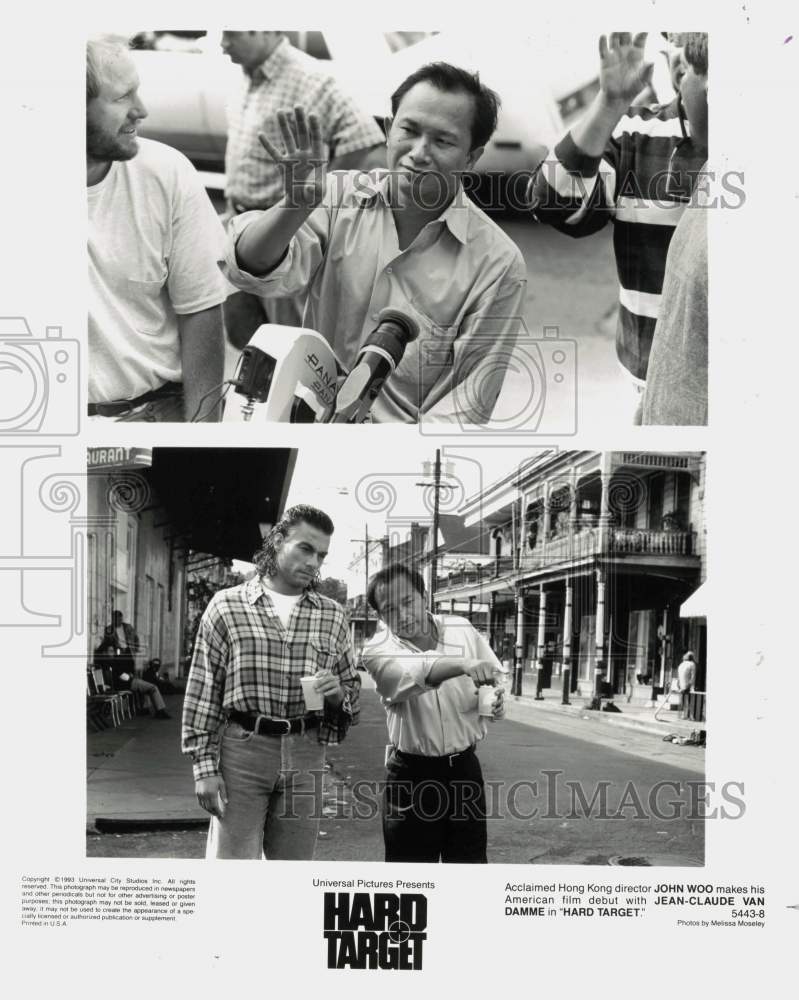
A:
[635,166]
[258,752]
[275,76]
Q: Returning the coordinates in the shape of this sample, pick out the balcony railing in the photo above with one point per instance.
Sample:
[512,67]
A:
[629,541]
[575,546]
[499,566]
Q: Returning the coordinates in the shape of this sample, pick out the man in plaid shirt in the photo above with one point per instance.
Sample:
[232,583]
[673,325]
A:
[258,753]
[275,76]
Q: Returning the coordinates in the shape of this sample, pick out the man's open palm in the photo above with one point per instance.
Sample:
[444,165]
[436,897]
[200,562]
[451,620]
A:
[623,74]
[303,160]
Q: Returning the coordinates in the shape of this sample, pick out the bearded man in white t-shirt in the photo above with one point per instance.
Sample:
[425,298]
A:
[156,340]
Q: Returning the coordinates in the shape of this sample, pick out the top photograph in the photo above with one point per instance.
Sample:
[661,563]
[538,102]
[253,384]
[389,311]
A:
[470,232]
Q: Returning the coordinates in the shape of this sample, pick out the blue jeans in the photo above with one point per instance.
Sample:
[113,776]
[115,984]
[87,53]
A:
[274,789]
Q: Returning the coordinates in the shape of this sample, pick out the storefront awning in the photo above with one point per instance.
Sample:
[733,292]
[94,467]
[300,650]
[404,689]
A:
[220,499]
[695,606]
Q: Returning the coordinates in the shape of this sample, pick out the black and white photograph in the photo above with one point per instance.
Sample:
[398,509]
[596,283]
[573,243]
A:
[450,228]
[490,690]
[568,590]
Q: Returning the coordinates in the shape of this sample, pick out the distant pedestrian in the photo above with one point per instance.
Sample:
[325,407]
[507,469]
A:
[686,678]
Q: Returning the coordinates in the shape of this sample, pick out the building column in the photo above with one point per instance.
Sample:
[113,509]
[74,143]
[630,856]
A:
[663,650]
[545,519]
[471,608]
[521,533]
[604,511]
[492,618]
[518,659]
[567,641]
[452,605]
[540,640]
[599,640]
[573,513]
[573,499]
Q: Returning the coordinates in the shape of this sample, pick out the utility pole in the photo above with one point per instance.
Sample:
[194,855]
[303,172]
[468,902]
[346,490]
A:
[437,490]
[366,540]
[437,487]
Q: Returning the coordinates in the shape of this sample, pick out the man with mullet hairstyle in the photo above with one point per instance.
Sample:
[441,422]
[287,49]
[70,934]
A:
[258,753]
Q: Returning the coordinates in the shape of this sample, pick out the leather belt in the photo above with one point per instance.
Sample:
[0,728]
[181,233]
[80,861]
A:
[263,725]
[123,405]
[447,759]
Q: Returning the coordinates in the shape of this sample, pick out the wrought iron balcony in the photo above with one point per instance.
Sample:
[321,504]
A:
[574,546]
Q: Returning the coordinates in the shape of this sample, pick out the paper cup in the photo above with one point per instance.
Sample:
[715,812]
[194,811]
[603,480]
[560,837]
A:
[486,694]
[313,699]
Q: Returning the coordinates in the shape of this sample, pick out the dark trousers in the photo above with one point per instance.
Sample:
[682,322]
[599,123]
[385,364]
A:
[434,809]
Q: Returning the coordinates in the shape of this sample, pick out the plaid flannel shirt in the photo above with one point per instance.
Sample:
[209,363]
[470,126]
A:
[244,660]
[287,78]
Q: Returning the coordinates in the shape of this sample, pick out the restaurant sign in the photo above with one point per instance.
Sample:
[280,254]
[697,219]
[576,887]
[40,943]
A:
[98,459]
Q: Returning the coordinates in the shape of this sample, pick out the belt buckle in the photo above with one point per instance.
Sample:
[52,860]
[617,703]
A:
[286,722]
[257,723]
[452,756]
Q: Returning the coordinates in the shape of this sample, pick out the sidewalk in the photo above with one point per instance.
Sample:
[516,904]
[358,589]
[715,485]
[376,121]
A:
[137,774]
[524,708]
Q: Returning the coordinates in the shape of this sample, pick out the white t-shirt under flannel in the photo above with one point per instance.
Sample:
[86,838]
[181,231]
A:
[155,243]
[286,79]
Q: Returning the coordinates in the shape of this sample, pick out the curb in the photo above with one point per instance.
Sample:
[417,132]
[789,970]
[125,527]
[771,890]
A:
[143,824]
[652,726]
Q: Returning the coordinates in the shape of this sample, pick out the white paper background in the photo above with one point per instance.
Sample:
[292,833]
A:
[259,928]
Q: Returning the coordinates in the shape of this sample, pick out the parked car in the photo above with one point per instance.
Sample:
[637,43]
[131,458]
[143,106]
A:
[187,81]
[545,84]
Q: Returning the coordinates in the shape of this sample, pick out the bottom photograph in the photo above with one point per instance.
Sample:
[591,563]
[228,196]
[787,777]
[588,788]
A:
[484,655]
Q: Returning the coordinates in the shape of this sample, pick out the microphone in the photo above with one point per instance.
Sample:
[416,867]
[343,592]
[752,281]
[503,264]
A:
[378,357]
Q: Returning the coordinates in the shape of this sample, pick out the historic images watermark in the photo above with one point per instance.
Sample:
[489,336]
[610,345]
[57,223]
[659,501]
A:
[551,796]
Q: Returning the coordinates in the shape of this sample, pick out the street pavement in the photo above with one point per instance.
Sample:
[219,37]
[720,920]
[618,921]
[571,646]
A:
[546,773]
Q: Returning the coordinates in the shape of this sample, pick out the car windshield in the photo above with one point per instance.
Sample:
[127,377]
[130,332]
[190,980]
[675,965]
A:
[315,43]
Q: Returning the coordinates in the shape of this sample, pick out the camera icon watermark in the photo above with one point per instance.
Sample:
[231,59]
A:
[39,381]
[527,386]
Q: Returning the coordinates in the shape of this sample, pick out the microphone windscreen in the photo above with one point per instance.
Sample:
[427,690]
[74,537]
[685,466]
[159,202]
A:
[393,333]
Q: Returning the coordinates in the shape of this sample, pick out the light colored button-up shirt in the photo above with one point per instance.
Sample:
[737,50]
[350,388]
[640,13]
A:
[423,718]
[462,280]
[287,78]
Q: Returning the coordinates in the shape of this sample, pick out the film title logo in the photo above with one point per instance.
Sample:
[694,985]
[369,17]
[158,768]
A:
[382,930]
